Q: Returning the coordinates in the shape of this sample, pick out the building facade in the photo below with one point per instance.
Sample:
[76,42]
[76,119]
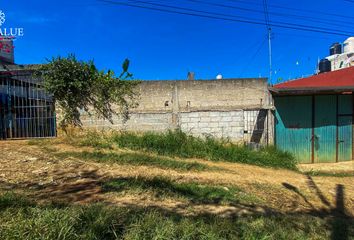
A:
[314,117]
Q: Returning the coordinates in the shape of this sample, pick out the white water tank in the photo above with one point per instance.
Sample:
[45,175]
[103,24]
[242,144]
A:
[348,45]
[219,77]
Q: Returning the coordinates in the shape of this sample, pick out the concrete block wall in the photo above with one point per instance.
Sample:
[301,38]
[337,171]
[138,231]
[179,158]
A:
[159,122]
[229,108]
[228,124]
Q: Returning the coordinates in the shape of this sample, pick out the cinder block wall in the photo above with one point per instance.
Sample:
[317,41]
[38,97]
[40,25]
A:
[228,108]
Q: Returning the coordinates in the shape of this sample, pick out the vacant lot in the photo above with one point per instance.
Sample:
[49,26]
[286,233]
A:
[77,188]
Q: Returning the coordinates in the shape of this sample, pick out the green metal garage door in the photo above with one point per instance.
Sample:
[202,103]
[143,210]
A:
[315,128]
[345,130]
[325,128]
[293,130]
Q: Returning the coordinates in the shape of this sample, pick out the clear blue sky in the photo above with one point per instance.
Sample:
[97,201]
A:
[167,46]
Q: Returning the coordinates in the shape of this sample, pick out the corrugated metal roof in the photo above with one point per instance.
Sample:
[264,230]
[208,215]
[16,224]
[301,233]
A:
[335,79]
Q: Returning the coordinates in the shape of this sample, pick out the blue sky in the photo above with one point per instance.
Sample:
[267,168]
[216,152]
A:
[167,46]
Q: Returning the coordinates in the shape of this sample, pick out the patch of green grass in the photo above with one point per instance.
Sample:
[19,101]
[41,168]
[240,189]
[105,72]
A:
[92,222]
[192,191]
[136,160]
[10,199]
[95,139]
[177,143]
[329,174]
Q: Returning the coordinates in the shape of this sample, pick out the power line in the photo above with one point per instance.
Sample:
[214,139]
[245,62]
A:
[312,19]
[253,56]
[221,17]
[297,9]
[234,16]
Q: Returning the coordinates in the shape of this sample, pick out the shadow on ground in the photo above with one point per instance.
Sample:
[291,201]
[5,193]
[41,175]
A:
[339,220]
[89,186]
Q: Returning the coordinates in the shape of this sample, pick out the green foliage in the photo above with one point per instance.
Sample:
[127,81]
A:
[177,143]
[98,140]
[79,86]
[92,222]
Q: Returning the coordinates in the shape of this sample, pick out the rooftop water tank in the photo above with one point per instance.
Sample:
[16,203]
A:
[324,66]
[336,48]
[348,45]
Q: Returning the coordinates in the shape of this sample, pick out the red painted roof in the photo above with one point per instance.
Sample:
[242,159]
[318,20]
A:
[339,78]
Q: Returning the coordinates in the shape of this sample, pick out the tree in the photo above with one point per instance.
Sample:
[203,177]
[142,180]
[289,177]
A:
[79,85]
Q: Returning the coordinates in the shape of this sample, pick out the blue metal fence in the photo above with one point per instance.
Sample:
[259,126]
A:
[26,110]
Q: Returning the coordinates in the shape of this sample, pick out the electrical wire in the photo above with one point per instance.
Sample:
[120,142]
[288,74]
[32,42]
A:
[233,16]
[210,15]
[296,9]
[253,57]
[305,18]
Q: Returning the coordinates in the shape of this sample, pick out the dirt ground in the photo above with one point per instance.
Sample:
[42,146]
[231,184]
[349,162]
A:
[31,170]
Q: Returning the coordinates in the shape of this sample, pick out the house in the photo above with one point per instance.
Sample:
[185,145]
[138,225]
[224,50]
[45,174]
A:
[314,116]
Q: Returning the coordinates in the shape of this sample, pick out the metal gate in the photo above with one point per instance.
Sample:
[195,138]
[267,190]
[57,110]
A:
[293,123]
[345,129]
[325,129]
[315,128]
[26,110]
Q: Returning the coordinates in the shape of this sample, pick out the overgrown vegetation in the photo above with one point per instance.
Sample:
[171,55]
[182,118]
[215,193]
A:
[23,219]
[136,160]
[79,85]
[178,143]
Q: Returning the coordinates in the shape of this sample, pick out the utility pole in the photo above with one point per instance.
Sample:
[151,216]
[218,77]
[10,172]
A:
[270,53]
[269,30]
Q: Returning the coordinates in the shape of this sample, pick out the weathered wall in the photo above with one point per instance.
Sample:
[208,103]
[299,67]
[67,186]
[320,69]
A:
[227,94]
[229,108]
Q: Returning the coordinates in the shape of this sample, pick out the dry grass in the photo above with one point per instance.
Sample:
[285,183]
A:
[43,175]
